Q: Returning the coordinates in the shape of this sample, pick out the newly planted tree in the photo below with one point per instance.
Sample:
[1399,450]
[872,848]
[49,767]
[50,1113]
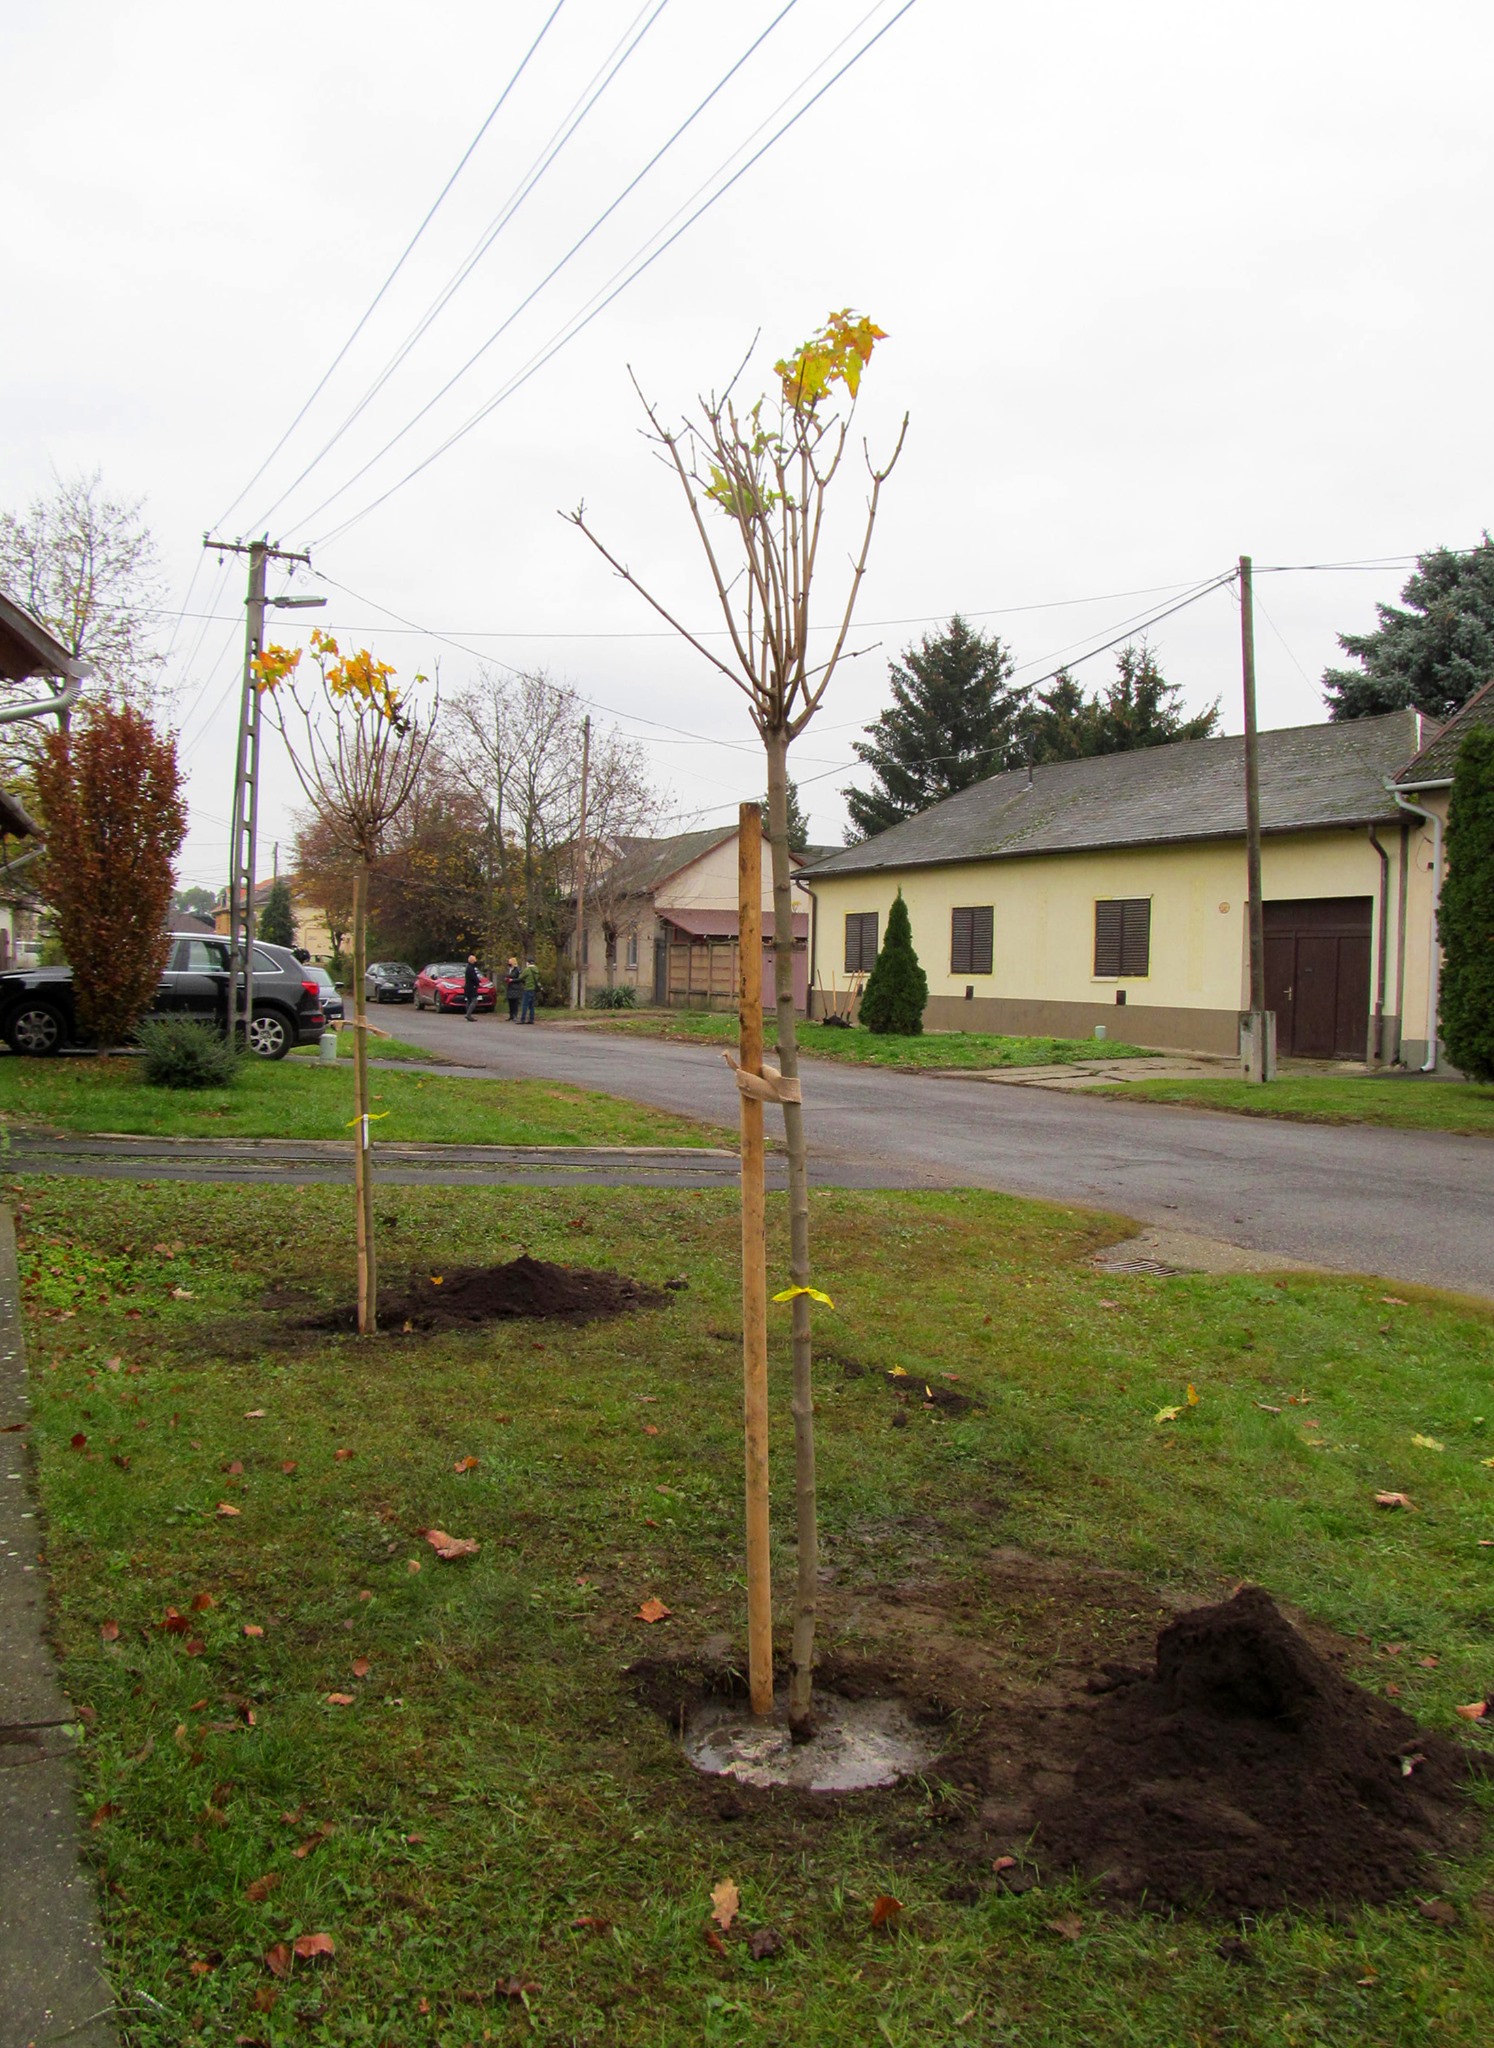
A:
[110,793]
[357,754]
[757,485]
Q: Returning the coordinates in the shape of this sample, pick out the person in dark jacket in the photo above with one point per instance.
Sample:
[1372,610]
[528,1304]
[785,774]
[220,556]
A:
[513,985]
[471,985]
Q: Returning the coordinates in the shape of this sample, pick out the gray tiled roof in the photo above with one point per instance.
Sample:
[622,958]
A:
[1439,757]
[642,864]
[1311,776]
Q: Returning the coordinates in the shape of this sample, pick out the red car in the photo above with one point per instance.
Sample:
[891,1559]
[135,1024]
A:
[443,986]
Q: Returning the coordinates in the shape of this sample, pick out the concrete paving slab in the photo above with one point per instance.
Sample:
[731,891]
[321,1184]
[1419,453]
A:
[1180,1251]
[52,1986]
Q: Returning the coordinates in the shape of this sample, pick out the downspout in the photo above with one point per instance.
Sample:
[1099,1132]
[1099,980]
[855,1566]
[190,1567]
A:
[1434,951]
[1377,1043]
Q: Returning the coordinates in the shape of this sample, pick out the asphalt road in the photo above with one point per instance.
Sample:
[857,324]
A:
[1411,1205]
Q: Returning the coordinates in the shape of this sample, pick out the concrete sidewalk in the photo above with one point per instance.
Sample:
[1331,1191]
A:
[52,1986]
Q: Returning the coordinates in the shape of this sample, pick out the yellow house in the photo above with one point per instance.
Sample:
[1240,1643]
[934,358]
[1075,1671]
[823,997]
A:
[1111,892]
[308,919]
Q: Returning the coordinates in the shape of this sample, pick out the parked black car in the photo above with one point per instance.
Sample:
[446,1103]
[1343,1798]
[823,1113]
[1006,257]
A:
[331,994]
[389,981]
[37,1014]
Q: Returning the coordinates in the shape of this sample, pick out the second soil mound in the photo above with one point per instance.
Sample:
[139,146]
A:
[463,1295]
[1245,1771]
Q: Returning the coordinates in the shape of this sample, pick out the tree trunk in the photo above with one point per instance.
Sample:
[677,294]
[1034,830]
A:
[368,1281]
[806,1513]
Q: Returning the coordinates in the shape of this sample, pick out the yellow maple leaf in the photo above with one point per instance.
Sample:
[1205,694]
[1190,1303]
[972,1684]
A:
[1167,1415]
[1428,1443]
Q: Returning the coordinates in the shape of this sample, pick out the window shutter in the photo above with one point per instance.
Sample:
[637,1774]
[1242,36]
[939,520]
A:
[1136,935]
[861,941]
[982,933]
[1108,919]
[959,941]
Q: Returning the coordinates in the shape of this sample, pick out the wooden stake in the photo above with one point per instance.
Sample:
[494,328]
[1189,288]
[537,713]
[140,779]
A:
[362,1165]
[754,1261]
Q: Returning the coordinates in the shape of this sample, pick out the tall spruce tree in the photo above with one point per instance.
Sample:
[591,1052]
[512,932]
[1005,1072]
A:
[276,922]
[1465,916]
[953,720]
[1435,653]
[897,987]
[1060,723]
[1140,708]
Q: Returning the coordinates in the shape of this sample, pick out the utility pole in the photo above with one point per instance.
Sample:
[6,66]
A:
[1259,1051]
[245,827]
[581,867]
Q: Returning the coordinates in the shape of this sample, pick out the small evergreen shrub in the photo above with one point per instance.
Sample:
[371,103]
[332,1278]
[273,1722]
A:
[623,997]
[897,987]
[1465,916]
[182,1054]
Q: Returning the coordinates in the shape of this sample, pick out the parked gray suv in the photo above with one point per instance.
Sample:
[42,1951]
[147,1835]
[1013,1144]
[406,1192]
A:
[37,1014]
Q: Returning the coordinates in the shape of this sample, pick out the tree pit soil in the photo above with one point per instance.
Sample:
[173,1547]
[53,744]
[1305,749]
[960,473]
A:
[463,1296]
[1217,1761]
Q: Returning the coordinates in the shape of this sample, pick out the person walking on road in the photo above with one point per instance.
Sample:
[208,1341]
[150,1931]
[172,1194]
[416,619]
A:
[513,986]
[529,982]
[471,985]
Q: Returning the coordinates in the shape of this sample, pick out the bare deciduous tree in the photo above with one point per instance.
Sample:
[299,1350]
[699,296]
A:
[768,471]
[357,754]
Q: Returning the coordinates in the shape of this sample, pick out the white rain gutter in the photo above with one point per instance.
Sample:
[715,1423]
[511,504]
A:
[1434,951]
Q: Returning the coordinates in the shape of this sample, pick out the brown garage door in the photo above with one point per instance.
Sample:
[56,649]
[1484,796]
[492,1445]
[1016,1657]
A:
[1318,976]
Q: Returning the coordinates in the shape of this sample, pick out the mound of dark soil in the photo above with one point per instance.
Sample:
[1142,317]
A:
[1246,1773]
[464,1295]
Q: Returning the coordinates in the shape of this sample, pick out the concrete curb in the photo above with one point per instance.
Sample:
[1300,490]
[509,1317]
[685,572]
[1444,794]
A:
[52,1985]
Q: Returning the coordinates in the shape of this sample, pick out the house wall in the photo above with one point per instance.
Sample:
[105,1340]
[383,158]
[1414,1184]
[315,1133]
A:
[1042,977]
[709,883]
[1421,926]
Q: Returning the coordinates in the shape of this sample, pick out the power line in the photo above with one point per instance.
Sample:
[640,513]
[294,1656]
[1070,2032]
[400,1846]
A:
[399,265]
[556,268]
[605,73]
[578,326]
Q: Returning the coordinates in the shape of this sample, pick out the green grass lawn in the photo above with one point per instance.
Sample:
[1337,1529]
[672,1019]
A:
[864,1048]
[290,1099]
[489,1806]
[378,1049]
[1330,1099]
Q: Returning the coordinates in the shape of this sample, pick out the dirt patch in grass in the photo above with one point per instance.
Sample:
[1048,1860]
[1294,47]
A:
[1220,1763]
[522,1288]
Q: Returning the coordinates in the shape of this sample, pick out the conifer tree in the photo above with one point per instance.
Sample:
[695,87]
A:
[1140,708]
[897,987]
[277,923]
[1465,916]
[953,720]
[1434,654]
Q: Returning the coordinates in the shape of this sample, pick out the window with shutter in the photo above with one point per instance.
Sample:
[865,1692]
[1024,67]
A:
[970,939]
[1123,937]
[861,941]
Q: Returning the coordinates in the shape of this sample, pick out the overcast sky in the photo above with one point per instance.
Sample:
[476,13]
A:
[1162,283]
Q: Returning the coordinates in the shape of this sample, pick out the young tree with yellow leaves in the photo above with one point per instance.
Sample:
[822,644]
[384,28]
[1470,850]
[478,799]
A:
[357,755]
[767,471]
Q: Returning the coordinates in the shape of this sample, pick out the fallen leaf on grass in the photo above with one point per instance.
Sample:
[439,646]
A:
[365,1594]
[726,1902]
[1269,1406]
[1004,1863]
[233,1468]
[360,1667]
[1428,1663]
[653,1610]
[109,1630]
[764,1942]
[339,1699]
[452,1546]
[713,1941]
[412,1564]
[77,1442]
[1069,1925]
[255,1414]
[201,1602]
[195,1648]
[309,1945]
[1167,1415]
[1192,1396]
[265,1998]
[467,1464]
[341,1456]
[287,1464]
[175,1624]
[227,1510]
[885,1909]
[278,1959]
[1428,1443]
[303,1849]
[1474,1711]
[1440,1910]
[1394,1301]
[1393,1692]
[1395,1500]
[650,1429]
[108,1811]
[262,1887]
[252,1628]
[201,1969]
